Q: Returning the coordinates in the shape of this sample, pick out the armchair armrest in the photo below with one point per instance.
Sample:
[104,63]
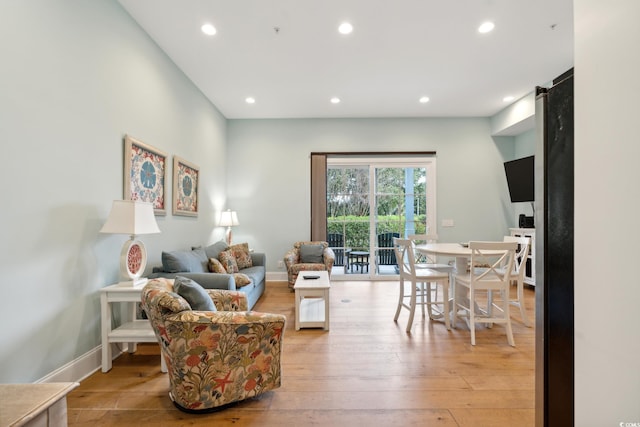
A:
[329,258]
[231,319]
[291,257]
[229,300]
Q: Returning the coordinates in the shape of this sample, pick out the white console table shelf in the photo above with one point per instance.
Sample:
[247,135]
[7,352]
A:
[131,331]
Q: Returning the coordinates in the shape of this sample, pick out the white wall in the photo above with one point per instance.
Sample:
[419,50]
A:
[607,202]
[75,77]
[269,173]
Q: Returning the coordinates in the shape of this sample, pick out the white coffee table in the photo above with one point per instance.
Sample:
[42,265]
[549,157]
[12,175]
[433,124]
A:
[312,300]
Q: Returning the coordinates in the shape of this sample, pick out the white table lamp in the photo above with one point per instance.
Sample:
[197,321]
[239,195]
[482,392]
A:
[132,218]
[228,219]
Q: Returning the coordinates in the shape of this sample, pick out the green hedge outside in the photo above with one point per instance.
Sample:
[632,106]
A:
[356,228]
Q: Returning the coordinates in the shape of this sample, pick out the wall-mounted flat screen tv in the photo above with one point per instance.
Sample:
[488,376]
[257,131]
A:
[520,179]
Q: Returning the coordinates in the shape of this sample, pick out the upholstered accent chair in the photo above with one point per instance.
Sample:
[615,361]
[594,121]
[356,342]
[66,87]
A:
[308,256]
[214,358]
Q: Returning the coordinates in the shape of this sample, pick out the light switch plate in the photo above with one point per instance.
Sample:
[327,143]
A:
[447,223]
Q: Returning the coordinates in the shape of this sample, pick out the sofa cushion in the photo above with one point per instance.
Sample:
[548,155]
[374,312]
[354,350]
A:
[241,279]
[216,266]
[311,254]
[255,273]
[242,255]
[194,261]
[195,294]
[228,260]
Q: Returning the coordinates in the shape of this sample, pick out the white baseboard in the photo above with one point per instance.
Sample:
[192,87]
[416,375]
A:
[78,369]
[276,276]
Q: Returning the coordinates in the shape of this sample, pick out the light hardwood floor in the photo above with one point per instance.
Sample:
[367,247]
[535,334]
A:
[366,371]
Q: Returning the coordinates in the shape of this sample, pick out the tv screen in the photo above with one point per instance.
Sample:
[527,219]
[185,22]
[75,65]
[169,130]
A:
[520,179]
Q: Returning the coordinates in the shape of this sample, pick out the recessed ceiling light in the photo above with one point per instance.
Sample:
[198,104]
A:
[424,99]
[335,100]
[508,98]
[250,100]
[486,27]
[345,28]
[208,29]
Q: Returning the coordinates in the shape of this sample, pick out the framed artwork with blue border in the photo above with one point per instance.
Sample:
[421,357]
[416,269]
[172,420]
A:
[186,183]
[145,174]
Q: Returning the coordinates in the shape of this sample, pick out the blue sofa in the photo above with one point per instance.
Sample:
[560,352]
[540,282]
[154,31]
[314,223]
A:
[194,264]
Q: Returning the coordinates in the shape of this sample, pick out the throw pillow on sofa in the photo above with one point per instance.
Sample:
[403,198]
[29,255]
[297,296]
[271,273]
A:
[242,255]
[195,294]
[194,261]
[241,280]
[229,262]
[216,266]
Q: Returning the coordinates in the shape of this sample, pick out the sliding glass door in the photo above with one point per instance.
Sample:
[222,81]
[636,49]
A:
[371,201]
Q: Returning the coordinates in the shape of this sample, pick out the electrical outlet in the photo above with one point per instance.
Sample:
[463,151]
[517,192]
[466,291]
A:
[447,223]
[280,264]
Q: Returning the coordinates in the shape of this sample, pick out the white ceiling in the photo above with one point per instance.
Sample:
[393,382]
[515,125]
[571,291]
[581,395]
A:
[399,51]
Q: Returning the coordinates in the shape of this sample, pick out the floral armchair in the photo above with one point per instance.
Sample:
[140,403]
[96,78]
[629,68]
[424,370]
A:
[214,358]
[308,256]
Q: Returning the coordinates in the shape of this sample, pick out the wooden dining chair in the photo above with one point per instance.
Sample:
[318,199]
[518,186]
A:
[420,280]
[491,256]
[517,275]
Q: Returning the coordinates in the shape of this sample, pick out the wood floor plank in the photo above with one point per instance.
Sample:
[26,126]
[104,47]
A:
[366,370]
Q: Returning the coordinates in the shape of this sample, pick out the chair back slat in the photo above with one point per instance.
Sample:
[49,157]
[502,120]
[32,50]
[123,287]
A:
[522,252]
[387,256]
[490,258]
[420,239]
[336,243]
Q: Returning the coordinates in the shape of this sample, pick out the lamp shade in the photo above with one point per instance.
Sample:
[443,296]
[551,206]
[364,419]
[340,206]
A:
[228,218]
[131,217]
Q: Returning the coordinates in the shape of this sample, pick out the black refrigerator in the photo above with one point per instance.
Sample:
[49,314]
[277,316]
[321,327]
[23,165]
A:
[554,206]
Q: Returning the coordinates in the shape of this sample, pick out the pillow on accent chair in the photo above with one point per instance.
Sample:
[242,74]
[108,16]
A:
[195,294]
[311,254]
[229,262]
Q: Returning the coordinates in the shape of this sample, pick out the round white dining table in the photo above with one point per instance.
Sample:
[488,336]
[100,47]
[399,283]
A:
[461,252]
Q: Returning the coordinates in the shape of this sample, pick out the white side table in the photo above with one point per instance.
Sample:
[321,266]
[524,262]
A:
[312,300]
[132,330]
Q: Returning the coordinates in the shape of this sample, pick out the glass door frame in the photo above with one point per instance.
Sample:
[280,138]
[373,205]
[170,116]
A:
[387,161]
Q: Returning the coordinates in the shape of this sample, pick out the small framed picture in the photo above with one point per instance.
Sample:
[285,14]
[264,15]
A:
[145,174]
[186,183]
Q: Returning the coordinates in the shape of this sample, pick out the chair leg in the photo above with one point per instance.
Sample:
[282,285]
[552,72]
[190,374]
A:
[472,316]
[489,307]
[412,306]
[456,296]
[427,290]
[507,316]
[523,312]
[445,304]
[400,300]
